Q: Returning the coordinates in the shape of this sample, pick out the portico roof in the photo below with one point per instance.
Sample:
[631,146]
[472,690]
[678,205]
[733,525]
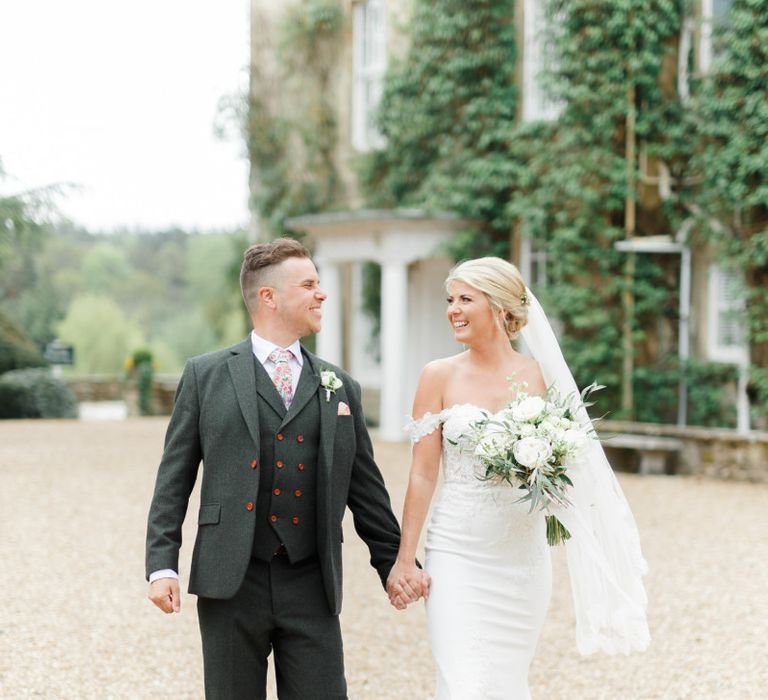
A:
[382,235]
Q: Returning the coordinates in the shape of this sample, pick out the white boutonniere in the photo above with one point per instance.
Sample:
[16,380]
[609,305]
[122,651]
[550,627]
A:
[330,382]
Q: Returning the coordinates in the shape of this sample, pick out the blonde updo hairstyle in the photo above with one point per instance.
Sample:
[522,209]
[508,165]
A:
[502,285]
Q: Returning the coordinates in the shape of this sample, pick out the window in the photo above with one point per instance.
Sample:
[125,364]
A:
[369,65]
[533,263]
[712,16]
[725,324]
[538,58]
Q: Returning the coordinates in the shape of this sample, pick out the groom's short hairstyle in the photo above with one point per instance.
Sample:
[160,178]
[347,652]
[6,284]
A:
[259,262]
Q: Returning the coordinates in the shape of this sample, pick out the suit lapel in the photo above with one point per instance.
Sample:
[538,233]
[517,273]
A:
[306,389]
[328,417]
[266,388]
[244,379]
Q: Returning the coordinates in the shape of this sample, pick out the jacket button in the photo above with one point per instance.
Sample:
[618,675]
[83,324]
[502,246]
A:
[277,492]
[294,520]
[279,436]
[301,466]
[280,464]
[249,505]
[254,464]
[300,438]
[297,493]
[273,518]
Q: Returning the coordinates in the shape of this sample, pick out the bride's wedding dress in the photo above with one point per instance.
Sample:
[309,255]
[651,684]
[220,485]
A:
[490,562]
[491,573]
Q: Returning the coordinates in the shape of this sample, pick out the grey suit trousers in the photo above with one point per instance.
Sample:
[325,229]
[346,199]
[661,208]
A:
[280,607]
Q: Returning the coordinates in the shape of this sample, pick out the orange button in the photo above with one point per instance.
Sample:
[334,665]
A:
[280,464]
[300,438]
[277,492]
[279,436]
[297,493]
[273,518]
[254,464]
[249,505]
[301,466]
[295,520]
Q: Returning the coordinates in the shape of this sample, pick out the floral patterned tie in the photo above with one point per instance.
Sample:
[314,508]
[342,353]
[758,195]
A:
[283,377]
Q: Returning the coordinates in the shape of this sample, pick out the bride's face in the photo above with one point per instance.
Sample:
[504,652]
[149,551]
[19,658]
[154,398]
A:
[470,314]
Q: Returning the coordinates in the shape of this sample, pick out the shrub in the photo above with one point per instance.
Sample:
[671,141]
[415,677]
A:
[141,366]
[709,384]
[35,393]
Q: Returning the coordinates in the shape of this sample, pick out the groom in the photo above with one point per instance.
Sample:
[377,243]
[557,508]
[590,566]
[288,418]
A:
[285,450]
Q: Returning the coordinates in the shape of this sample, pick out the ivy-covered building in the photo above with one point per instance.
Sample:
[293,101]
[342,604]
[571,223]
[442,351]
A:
[614,150]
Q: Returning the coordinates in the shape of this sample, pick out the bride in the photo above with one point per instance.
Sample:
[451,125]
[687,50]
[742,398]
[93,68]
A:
[487,556]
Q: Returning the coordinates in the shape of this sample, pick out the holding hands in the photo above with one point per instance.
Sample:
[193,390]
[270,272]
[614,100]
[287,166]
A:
[407,583]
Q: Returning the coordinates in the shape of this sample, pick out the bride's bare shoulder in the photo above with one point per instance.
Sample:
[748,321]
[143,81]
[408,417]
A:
[529,370]
[443,366]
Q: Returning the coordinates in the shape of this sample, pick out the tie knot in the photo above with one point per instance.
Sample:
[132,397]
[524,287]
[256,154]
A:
[279,356]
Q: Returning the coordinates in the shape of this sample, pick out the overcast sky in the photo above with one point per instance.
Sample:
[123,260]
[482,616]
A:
[121,98]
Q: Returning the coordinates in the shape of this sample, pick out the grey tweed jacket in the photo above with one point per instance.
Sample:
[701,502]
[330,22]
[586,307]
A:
[216,421]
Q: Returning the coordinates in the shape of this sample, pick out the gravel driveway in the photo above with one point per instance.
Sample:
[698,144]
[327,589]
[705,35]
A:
[75,622]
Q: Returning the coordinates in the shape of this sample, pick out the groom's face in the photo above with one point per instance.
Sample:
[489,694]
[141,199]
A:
[298,296]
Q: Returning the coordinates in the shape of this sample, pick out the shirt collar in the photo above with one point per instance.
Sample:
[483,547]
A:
[263,347]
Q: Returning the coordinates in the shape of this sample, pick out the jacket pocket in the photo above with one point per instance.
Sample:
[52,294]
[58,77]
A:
[209,514]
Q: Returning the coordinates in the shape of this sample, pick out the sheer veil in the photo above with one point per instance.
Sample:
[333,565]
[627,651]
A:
[604,559]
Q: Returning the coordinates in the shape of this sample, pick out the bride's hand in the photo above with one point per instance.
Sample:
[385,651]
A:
[407,583]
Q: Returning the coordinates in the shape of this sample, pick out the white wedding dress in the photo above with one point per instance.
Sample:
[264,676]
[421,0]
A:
[491,573]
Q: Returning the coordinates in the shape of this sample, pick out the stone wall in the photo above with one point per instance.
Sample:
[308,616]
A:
[112,388]
[714,452]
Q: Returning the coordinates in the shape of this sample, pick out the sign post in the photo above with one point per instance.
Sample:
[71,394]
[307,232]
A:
[59,354]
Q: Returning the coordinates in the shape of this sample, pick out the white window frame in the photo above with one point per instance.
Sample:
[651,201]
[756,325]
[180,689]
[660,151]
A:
[537,59]
[369,64]
[719,302]
[533,263]
[706,50]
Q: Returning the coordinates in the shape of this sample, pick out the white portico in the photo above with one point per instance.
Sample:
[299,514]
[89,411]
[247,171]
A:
[410,247]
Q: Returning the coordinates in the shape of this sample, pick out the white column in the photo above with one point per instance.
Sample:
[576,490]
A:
[362,358]
[394,299]
[329,338]
[742,398]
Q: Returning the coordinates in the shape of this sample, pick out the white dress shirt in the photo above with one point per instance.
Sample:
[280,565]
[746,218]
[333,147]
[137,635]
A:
[262,348]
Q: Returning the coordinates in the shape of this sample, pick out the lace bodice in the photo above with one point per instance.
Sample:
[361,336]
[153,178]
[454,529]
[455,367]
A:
[460,466]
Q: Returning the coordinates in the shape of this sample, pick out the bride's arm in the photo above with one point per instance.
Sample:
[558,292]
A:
[406,580]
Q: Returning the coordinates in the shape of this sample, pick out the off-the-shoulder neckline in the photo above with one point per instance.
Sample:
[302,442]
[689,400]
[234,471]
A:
[467,404]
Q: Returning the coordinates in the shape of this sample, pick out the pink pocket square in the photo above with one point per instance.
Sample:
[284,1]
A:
[343,409]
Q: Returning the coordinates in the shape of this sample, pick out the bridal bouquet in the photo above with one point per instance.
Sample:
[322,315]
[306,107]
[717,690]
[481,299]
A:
[530,444]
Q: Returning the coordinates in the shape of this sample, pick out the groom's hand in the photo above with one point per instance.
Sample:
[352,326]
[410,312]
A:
[165,593]
[407,583]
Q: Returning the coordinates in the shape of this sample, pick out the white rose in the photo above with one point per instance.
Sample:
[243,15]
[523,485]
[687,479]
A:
[528,409]
[550,426]
[525,429]
[492,445]
[532,452]
[329,380]
[575,439]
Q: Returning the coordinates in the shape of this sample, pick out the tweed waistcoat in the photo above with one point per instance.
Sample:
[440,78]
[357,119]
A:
[289,442]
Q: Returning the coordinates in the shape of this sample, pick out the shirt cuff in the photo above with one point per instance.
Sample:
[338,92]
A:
[162,573]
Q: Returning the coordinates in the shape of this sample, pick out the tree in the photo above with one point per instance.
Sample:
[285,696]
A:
[214,284]
[17,351]
[102,336]
[105,269]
